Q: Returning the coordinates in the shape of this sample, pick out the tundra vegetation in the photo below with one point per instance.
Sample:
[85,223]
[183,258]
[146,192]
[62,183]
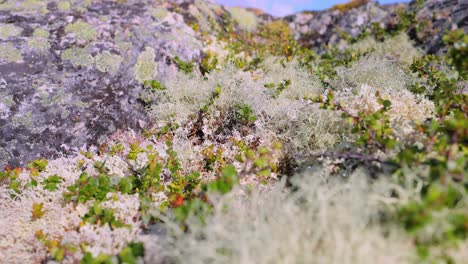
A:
[265,152]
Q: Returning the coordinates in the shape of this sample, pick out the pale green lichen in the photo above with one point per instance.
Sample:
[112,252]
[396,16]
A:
[246,20]
[9,53]
[107,62]
[34,6]
[39,40]
[146,68]
[64,5]
[24,6]
[158,13]
[22,119]
[82,30]
[81,6]
[123,45]
[78,56]
[400,47]
[39,32]
[9,30]
[7,5]
[38,43]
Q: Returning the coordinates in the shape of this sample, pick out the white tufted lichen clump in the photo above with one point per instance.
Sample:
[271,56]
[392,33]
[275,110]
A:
[246,20]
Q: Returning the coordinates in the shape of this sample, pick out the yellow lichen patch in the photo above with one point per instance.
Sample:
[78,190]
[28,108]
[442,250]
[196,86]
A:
[24,6]
[9,30]
[107,62]
[82,30]
[38,43]
[35,5]
[78,56]
[39,40]
[9,53]
[146,68]
[246,20]
[7,5]
[64,5]
[39,32]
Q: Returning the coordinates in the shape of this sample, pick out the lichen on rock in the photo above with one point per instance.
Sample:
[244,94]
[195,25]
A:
[158,13]
[82,30]
[9,30]
[107,62]
[78,56]
[9,53]
[146,68]
[246,20]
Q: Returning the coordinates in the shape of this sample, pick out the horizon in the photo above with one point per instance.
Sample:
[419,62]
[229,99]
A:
[287,7]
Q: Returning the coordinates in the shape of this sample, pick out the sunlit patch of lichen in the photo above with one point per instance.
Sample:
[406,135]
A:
[24,6]
[82,30]
[9,30]
[39,41]
[158,13]
[64,5]
[39,32]
[78,56]
[9,53]
[146,67]
[246,20]
[107,62]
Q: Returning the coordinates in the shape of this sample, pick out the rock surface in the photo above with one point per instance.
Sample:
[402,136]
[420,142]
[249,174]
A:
[434,17]
[70,74]
[320,29]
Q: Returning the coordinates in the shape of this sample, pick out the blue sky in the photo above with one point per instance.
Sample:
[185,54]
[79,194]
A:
[284,7]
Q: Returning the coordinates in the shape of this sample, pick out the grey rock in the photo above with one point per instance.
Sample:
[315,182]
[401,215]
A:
[439,16]
[317,30]
[71,74]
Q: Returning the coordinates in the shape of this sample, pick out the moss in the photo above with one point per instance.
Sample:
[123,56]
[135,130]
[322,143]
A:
[146,68]
[9,53]
[246,20]
[78,56]
[82,30]
[107,62]
[9,30]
